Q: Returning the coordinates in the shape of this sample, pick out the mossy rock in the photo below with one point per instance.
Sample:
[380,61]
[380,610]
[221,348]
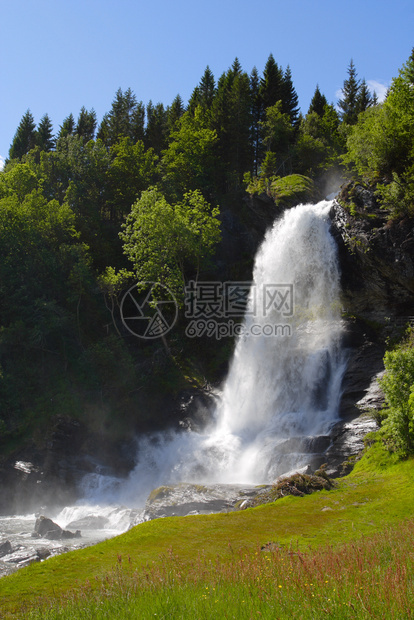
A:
[297,484]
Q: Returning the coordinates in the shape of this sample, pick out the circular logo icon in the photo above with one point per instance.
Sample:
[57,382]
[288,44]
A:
[149,310]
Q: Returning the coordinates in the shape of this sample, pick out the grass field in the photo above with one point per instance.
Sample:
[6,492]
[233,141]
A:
[344,553]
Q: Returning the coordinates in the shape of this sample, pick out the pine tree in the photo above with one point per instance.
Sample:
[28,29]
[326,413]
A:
[44,134]
[318,102]
[25,137]
[349,102]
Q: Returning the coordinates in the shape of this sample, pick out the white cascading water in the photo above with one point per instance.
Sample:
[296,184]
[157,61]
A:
[283,387]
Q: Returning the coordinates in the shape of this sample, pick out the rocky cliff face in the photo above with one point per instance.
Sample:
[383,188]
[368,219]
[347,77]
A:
[377,266]
[377,259]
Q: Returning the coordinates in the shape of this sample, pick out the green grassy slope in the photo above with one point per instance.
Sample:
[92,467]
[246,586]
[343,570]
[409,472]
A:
[379,492]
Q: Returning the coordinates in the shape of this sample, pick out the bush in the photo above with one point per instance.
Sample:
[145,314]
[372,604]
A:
[398,386]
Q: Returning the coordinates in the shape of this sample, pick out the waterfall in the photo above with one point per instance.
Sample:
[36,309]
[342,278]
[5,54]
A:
[283,387]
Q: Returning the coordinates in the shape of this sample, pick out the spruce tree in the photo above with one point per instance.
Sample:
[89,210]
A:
[174,113]
[156,130]
[318,102]
[125,119]
[407,70]
[271,85]
[364,99]
[25,137]
[67,128]
[137,123]
[290,101]
[44,134]
[207,89]
[349,102]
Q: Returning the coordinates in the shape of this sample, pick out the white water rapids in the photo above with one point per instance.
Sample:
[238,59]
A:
[282,390]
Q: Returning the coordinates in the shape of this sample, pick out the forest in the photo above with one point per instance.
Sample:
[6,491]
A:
[89,209]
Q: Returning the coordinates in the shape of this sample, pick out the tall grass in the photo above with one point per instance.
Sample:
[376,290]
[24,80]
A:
[373,578]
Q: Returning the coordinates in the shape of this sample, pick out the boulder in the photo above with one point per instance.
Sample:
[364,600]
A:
[46,528]
[5,548]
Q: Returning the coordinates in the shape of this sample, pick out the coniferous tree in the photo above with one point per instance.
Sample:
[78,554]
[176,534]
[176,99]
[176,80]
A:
[137,123]
[174,113]
[255,117]
[67,128]
[86,125]
[271,84]
[349,102]
[231,118]
[318,102]
[364,99]
[207,89]
[25,137]
[290,102]
[125,119]
[156,130]
[44,134]
[407,70]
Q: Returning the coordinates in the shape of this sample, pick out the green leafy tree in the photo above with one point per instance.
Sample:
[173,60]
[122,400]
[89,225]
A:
[162,239]
[398,386]
[188,163]
[380,145]
[132,169]
[25,137]
[320,143]
[278,135]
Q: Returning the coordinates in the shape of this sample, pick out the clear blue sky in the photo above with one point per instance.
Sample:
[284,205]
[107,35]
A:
[57,56]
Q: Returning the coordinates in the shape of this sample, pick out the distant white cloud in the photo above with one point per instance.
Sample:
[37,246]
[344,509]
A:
[1,162]
[380,88]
